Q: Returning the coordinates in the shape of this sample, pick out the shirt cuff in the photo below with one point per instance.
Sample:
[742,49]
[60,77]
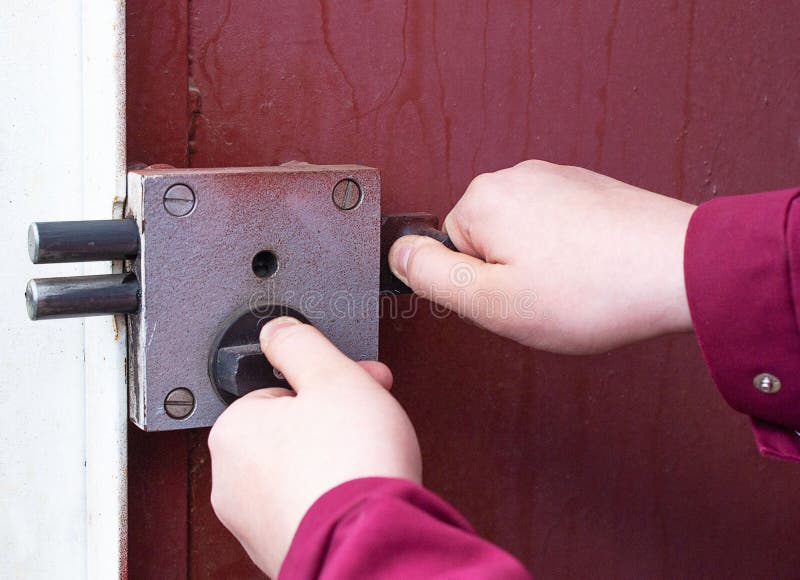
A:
[776,442]
[391,528]
[742,271]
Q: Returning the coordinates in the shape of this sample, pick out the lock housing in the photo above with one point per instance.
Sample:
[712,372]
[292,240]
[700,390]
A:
[201,259]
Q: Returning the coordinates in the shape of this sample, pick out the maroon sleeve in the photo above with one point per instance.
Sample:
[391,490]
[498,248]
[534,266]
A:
[742,269]
[391,528]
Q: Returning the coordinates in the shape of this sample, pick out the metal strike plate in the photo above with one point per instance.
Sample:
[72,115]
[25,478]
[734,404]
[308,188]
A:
[201,231]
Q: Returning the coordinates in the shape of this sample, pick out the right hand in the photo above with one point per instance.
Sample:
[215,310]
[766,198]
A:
[558,258]
[274,452]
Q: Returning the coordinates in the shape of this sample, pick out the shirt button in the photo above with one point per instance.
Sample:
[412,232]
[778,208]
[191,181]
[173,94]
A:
[767,383]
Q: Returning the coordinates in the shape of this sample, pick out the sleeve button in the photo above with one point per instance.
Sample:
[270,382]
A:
[767,383]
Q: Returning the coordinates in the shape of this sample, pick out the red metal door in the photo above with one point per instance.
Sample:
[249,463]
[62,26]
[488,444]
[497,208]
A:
[624,465]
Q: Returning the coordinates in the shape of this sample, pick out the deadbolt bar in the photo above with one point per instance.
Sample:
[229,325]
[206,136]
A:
[82,296]
[82,241]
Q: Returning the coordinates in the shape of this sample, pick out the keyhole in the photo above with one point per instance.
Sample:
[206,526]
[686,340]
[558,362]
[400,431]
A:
[265,264]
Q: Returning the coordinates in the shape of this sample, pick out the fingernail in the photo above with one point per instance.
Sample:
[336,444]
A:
[275,325]
[399,261]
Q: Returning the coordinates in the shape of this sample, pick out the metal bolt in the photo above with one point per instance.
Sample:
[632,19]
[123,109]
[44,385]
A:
[179,403]
[767,383]
[347,194]
[179,200]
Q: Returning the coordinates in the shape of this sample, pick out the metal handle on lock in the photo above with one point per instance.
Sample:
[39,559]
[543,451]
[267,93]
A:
[236,364]
[395,226]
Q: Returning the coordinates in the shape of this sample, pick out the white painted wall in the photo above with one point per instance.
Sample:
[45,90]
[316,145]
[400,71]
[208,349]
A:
[55,122]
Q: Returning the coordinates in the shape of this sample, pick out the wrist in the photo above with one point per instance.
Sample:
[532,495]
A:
[676,314]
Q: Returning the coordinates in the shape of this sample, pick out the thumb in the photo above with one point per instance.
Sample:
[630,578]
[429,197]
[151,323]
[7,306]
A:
[448,278]
[306,358]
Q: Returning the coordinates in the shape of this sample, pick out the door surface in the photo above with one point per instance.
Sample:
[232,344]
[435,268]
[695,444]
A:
[621,465]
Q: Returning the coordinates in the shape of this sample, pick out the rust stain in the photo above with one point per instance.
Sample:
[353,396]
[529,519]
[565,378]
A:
[484,80]
[115,328]
[683,135]
[195,114]
[529,95]
[326,39]
[390,93]
[602,92]
[446,119]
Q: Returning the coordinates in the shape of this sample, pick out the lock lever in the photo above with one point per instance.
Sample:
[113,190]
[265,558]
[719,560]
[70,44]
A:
[395,226]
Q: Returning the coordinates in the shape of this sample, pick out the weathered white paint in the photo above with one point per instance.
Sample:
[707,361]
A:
[104,181]
[62,421]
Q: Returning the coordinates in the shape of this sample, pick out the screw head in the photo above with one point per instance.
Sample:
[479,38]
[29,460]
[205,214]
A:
[767,383]
[347,194]
[179,403]
[179,200]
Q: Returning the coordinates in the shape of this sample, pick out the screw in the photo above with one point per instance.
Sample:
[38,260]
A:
[179,200]
[179,403]
[767,383]
[347,194]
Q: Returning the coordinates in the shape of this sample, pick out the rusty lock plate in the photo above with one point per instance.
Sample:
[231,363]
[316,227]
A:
[202,231]
[221,250]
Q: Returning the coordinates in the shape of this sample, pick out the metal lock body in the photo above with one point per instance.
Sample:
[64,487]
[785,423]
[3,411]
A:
[252,239]
[207,256]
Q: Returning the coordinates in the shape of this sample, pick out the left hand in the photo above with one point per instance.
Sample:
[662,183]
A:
[557,258]
[275,452]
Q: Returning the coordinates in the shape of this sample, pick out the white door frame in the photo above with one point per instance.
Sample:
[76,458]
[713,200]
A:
[63,395]
[104,182]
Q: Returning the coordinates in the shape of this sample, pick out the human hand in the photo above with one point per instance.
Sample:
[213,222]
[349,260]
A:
[274,452]
[558,258]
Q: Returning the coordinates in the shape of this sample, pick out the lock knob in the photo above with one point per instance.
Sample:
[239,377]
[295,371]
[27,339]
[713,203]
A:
[236,364]
[243,368]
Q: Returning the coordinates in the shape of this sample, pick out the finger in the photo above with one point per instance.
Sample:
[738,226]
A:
[464,221]
[269,393]
[449,278]
[378,371]
[457,234]
[306,358]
